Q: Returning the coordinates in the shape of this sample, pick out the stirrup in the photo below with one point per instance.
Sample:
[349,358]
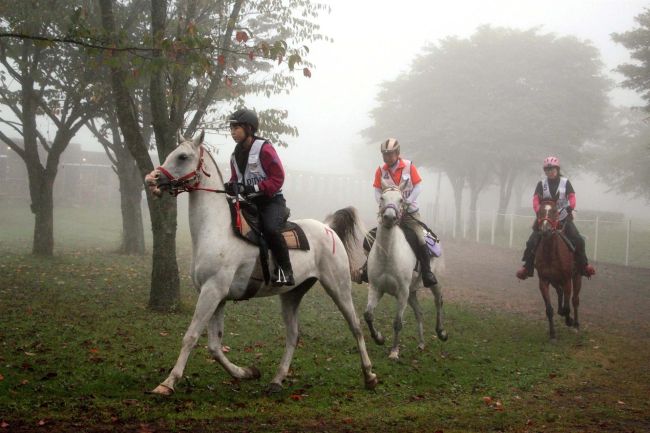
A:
[283,278]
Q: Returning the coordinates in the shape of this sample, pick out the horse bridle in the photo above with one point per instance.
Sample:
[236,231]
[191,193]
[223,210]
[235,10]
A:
[554,223]
[188,182]
[398,211]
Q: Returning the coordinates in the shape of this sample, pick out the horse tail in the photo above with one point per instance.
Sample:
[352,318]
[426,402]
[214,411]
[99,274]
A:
[349,228]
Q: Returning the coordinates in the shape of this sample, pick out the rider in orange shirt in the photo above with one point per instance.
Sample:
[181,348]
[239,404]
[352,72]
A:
[402,173]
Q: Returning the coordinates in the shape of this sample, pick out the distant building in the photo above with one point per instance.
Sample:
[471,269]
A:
[84,178]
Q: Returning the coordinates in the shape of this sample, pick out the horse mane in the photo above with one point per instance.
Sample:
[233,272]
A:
[215,164]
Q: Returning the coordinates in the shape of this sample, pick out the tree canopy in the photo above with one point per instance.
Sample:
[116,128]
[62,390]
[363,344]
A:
[491,106]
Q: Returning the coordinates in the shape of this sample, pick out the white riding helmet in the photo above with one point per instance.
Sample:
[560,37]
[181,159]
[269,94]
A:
[390,145]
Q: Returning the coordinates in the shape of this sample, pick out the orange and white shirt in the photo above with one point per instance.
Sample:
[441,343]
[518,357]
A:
[403,175]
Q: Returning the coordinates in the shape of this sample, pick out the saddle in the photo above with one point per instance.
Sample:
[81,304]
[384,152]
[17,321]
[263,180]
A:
[246,225]
[432,240]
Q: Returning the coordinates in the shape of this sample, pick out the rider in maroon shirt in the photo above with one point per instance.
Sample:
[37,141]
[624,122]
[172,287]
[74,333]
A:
[566,200]
[257,173]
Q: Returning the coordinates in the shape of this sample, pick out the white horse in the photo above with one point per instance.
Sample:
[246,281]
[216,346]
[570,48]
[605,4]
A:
[391,264]
[222,265]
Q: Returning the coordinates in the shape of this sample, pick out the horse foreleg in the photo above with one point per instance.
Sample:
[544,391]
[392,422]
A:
[417,310]
[437,295]
[566,311]
[215,339]
[209,299]
[374,296]
[402,298]
[575,299]
[341,294]
[543,288]
[290,302]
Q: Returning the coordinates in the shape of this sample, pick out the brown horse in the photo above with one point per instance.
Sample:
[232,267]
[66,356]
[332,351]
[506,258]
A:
[554,262]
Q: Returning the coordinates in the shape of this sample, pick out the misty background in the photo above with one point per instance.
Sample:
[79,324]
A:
[441,77]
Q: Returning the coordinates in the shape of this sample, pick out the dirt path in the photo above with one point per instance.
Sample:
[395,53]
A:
[617,297]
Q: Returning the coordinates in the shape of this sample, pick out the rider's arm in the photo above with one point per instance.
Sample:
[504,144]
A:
[414,193]
[571,194]
[535,203]
[274,171]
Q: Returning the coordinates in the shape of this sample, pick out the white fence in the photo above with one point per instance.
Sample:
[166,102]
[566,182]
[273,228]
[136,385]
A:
[624,241]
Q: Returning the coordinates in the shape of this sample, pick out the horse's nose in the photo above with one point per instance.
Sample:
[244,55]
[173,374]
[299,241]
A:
[388,217]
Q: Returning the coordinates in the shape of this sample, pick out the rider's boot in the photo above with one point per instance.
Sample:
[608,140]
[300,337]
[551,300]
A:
[428,279]
[527,269]
[361,275]
[283,274]
[582,264]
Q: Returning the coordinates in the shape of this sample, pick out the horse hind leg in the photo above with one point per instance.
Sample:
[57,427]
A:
[339,288]
[215,338]
[437,296]
[374,296]
[417,310]
[290,303]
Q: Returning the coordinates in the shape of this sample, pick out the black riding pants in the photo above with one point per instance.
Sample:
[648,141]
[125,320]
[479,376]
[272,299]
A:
[273,213]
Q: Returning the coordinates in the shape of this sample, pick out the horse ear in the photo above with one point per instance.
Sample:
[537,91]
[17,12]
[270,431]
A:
[384,185]
[179,137]
[199,140]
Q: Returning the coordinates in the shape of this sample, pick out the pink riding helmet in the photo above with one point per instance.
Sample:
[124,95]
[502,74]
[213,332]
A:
[551,161]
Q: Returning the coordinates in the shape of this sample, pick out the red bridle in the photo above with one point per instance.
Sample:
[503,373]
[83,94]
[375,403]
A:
[190,181]
[553,222]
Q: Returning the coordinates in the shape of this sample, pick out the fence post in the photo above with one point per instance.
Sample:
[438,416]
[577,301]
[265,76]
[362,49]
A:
[512,228]
[596,239]
[494,223]
[453,226]
[478,225]
[627,242]
[465,225]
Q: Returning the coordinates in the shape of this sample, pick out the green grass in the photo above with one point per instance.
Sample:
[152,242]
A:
[79,348]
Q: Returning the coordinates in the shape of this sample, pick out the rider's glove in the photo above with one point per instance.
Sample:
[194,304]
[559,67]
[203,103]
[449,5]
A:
[229,187]
[569,209]
[248,189]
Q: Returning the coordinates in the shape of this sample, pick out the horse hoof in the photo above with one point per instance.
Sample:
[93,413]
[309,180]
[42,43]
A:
[254,373]
[371,381]
[442,335]
[163,390]
[379,339]
[273,388]
[394,355]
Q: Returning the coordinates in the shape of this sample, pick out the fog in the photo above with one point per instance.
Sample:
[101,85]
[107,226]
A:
[375,41]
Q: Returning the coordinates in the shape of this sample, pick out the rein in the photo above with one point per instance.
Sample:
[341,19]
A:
[190,181]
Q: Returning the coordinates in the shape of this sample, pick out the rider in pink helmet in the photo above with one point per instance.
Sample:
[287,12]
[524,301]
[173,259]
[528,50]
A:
[556,187]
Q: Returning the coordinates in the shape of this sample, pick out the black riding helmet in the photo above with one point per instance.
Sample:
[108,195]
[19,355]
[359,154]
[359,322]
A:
[245,116]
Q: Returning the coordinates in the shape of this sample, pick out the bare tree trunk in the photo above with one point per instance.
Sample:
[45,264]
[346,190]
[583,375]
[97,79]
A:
[507,179]
[43,209]
[457,184]
[165,281]
[131,200]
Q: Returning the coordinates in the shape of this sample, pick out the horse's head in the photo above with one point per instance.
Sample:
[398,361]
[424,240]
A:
[391,206]
[181,170]
[548,217]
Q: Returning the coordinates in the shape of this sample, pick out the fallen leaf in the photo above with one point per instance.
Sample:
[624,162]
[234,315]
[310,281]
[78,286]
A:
[296,397]
[30,354]
[4,425]
[620,402]
[164,334]
[42,422]
[487,400]
[225,349]
[2,377]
